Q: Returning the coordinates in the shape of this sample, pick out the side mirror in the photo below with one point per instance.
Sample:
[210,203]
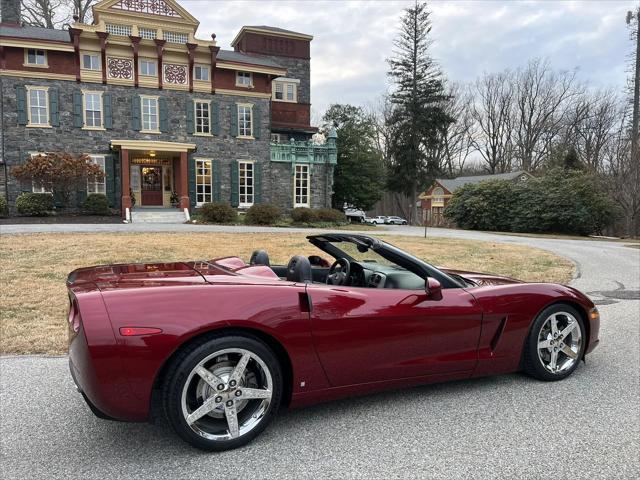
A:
[433,289]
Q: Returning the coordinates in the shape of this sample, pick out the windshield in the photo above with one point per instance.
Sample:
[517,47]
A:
[360,253]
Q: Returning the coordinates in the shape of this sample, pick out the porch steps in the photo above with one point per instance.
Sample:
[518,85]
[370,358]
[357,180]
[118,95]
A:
[157,216]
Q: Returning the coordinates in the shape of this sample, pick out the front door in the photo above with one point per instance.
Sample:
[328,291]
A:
[367,335]
[151,186]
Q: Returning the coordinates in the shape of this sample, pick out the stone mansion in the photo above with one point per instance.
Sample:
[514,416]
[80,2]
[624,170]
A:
[164,113]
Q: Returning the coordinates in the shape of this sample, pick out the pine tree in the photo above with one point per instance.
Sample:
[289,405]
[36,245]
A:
[418,116]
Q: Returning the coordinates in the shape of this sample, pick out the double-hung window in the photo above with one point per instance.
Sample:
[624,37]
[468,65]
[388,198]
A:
[245,123]
[149,112]
[91,61]
[285,90]
[39,187]
[148,68]
[38,98]
[204,177]
[93,110]
[244,79]
[245,170]
[201,72]
[95,185]
[35,57]
[202,114]
[301,187]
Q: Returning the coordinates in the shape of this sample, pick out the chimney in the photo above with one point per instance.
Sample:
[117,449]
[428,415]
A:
[10,11]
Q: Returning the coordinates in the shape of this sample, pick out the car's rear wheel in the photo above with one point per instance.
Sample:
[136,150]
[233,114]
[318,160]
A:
[555,344]
[221,393]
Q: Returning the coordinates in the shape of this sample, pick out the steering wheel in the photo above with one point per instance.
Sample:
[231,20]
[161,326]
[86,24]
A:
[339,272]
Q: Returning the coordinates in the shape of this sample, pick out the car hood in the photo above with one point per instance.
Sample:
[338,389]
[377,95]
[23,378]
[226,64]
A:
[481,279]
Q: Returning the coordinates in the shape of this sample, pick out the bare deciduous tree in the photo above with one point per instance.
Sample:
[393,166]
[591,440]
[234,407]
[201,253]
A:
[492,112]
[457,139]
[82,9]
[45,13]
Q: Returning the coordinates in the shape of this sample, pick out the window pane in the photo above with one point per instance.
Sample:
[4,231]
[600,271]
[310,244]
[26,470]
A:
[149,113]
[202,117]
[246,183]
[97,186]
[244,121]
[38,107]
[289,92]
[93,109]
[203,182]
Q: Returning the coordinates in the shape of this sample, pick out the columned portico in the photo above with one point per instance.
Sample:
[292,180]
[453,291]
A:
[154,173]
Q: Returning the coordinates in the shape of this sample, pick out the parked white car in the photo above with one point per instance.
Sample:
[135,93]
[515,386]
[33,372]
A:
[393,220]
[379,220]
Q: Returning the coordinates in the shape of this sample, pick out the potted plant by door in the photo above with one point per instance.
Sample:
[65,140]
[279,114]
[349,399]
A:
[174,199]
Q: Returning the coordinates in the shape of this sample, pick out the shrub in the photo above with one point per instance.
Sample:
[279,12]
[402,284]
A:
[4,209]
[218,212]
[330,215]
[96,204]
[262,214]
[34,204]
[483,206]
[303,215]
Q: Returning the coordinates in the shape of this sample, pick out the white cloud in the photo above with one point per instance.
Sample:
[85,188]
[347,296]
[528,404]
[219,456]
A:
[353,39]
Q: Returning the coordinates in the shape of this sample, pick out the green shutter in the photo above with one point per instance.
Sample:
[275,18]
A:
[190,117]
[58,199]
[135,113]
[77,109]
[257,183]
[21,98]
[81,196]
[217,194]
[54,114]
[235,184]
[110,179]
[191,173]
[215,118]
[108,113]
[257,124]
[164,114]
[233,120]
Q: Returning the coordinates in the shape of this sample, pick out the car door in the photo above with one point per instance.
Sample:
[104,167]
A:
[368,335]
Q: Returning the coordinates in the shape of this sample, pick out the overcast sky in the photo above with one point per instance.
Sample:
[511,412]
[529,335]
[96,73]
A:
[352,40]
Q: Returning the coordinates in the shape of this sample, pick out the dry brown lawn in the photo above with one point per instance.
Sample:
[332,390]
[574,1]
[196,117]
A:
[33,299]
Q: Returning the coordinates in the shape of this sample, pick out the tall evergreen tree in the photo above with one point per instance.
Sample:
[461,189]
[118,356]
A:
[418,118]
[358,178]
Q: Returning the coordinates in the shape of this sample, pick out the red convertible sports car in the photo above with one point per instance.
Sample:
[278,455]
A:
[219,345]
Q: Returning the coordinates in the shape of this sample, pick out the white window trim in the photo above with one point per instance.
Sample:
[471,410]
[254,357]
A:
[84,110]
[195,118]
[46,103]
[36,65]
[201,65]
[242,85]
[253,184]
[94,54]
[284,82]
[103,182]
[250,105]
[149,60]
[295,175]
[201,159]
[157,100]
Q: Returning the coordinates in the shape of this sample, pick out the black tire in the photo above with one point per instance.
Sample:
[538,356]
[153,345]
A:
[531,361]
[191,357]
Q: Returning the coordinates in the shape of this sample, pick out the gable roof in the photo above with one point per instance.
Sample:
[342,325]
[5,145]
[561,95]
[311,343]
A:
[452,184]
[35,33]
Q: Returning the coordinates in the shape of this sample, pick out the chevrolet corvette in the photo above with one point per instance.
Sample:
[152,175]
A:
[218,346]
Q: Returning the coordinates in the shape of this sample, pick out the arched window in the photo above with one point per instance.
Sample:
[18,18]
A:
[437,197]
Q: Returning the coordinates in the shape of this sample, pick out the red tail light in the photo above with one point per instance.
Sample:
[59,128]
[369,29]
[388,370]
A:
[134,331]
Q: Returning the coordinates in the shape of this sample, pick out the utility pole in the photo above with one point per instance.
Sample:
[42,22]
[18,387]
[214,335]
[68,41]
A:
[636,87]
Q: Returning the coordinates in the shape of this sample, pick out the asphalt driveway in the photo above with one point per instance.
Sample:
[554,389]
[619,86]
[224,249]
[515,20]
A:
[511,426]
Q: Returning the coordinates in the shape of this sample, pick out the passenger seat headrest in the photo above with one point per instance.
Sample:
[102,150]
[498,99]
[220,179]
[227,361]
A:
[299,269]
[259,257]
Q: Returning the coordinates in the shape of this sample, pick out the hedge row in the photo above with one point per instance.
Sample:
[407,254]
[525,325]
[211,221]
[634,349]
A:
[308,215]
[559,202]
[268,214]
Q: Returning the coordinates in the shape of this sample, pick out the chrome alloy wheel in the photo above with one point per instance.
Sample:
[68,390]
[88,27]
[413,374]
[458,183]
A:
[559,342]
[227,394]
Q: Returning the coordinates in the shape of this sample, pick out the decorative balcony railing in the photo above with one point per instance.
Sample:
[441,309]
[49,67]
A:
[305,152]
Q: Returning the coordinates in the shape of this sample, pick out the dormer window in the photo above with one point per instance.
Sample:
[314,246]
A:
[35,57]
[201,72]
[244,79]
[118,30]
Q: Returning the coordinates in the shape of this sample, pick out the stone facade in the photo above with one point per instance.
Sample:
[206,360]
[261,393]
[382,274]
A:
[277,184]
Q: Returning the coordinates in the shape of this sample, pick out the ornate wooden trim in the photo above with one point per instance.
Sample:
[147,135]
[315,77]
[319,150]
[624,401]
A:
[159,51]
[75,37]
[135,44]
[191,48]
[214,57]
[103,54]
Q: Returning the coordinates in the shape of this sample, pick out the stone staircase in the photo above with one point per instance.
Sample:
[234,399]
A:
[158,215]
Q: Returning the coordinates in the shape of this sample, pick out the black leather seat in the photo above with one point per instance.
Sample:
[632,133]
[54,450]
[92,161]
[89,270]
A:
[259,257]
[299,269]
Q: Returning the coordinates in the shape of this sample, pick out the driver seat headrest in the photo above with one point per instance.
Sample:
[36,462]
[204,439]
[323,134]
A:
[259,257]
[299,269]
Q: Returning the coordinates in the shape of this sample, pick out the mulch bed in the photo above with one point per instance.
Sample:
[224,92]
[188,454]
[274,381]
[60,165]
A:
[61,219]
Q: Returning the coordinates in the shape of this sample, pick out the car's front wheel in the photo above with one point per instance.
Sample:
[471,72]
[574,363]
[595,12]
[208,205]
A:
[555,344]
[222,392]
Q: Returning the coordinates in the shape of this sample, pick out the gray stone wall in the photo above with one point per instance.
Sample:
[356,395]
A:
[277,185]
[300,69]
